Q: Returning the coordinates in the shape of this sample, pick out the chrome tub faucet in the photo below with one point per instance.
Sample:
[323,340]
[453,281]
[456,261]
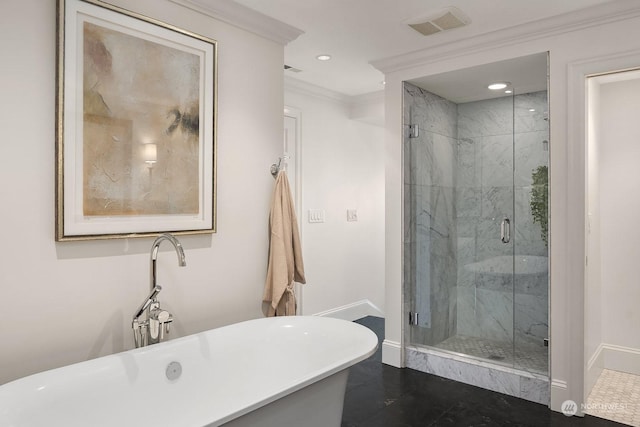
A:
[153,328]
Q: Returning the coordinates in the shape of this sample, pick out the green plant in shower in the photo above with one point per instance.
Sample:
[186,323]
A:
[540,199]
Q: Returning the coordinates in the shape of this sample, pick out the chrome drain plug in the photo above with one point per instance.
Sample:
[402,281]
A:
[174,370]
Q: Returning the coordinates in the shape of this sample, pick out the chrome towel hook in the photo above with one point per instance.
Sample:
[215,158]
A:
[275,168]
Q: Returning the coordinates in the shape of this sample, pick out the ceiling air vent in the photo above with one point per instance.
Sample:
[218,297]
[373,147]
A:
[445,19]
[290,68]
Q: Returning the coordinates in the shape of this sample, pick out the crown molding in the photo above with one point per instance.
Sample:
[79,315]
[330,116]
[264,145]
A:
[292,84]
[368,98]
[245,18]
[303,88]
[548,27]
[367,108]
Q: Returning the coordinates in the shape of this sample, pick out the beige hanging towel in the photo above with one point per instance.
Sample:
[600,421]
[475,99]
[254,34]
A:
[285,253]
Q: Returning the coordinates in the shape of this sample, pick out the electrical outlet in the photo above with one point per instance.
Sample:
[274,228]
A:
[352,215]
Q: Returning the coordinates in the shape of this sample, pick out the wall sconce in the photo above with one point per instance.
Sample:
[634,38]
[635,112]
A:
[150,154]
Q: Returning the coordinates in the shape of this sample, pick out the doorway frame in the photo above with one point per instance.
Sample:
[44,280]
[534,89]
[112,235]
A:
[574,317]
[296,114]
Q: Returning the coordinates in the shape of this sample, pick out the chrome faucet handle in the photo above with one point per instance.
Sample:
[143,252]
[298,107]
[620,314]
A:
[154,323]
[147,302]
[159,320]
[164,317]
[154,328]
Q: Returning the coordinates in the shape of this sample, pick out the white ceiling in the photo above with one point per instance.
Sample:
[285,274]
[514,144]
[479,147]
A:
[356,32]
[525,74]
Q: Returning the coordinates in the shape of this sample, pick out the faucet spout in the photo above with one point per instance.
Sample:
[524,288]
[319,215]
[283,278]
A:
[154,255]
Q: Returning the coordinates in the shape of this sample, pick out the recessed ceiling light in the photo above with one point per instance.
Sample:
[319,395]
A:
[508,91]
[532,109]
[497,86]
[323,57]
[383,83]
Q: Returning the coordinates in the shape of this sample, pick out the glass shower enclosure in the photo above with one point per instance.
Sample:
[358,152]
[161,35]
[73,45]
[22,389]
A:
[475,213]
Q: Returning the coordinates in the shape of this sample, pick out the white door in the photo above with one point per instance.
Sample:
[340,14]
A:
[291,150]
[290,130]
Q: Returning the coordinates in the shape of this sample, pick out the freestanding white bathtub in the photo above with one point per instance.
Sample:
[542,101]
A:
[283,371]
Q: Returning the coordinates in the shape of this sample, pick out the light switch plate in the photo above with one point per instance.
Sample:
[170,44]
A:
[316,215]
[352,215]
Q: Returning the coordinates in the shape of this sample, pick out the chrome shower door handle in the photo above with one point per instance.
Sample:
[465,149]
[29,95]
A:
[505,230]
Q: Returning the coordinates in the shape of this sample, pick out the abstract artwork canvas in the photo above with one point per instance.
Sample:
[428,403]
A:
[136,125]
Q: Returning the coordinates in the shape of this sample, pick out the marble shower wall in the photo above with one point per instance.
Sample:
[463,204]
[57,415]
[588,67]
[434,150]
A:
[430,216]
[485,146]
[458,187]
[532,150]
[487,302]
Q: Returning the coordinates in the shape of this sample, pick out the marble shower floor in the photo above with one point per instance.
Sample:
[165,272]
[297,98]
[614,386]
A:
[530,358]
[616,397]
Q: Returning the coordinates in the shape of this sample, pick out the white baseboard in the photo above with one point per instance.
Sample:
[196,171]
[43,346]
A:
[595,365]
[560,393]
[606,356]
[392,354]
[619,358]
[614,357]
[353,311]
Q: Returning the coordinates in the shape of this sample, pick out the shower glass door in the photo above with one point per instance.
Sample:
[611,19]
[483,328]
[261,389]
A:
[531,267]
[475,202]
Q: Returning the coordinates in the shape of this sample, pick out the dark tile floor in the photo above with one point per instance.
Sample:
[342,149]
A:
[381,395]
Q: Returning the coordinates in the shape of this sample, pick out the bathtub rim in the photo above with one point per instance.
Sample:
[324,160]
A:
[369,345]
[306,380]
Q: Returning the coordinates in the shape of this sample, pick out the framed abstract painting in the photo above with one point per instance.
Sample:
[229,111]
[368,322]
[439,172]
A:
[135,125]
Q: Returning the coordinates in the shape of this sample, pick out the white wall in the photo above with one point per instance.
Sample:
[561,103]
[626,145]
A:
[620,210]
[579,43]
[65,302]
[342,168]
[612,291]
